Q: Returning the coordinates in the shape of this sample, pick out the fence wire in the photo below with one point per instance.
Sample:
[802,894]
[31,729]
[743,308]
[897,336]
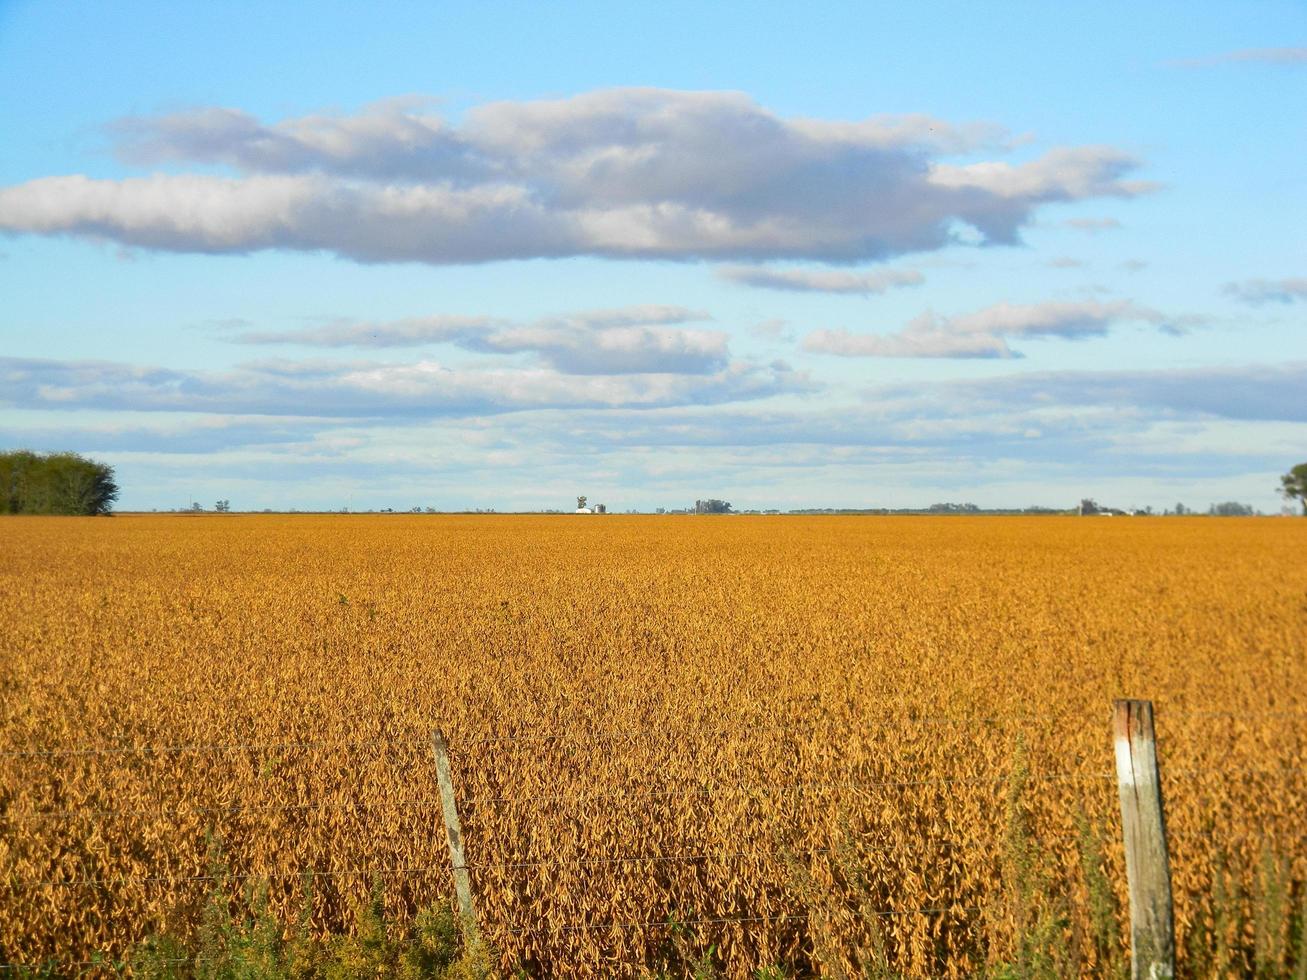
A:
[200,748]
[665,792]
[668,791]
[719,920]
[730,789]
[24,815]
[22,883]
[459,744]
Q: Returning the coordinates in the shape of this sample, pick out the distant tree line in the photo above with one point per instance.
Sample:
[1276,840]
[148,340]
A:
[55,483]
[1232,508]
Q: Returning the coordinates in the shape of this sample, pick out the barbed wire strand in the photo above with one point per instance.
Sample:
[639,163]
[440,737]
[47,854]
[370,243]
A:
[473,800]
[672,731]
[458,743]
[207,810]
[718,920]
[868,784]
[208,747]
[109,961]
[815,851]
[732,788]
[666,792]
[20,883]
[1179,833]
[1163,710]
[62,967]
[648,859]
[703,791]
[483,865]
[807,725]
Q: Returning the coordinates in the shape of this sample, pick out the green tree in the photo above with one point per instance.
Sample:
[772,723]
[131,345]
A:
[1294,485]
[55,483]
[713,506]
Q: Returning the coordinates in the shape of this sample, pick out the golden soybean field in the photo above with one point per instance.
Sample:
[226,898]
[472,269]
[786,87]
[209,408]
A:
[787,740]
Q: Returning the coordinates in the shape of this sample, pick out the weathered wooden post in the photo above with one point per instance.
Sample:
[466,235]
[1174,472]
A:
[454,834]
[1143,825]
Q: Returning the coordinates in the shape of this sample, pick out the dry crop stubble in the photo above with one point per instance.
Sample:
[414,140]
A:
[798,722]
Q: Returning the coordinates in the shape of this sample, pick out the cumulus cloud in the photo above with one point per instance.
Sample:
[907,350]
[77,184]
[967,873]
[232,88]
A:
[1259,292]
[985,333]
[821,280]
[628,340]
[1266,56]
[359,389]
[621,173]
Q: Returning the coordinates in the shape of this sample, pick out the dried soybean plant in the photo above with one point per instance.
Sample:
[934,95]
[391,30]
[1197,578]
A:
[744,742]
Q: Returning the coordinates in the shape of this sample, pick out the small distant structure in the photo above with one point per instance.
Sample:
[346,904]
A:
[582,508]
[1092,508]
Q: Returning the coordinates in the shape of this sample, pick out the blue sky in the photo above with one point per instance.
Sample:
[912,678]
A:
[495,255]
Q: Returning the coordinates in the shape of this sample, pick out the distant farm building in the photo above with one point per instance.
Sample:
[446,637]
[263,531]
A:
[582,508]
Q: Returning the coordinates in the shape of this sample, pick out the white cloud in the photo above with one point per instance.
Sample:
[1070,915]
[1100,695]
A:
[616,350]
[1065,173]
[1021,438]
[629,340]
[925,336]
[985,333]
[367,389]
[620,173]
[1255,392]
[868,283]
[1259,292]
[409,332]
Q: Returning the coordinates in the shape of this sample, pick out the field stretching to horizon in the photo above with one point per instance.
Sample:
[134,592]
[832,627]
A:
[822,744]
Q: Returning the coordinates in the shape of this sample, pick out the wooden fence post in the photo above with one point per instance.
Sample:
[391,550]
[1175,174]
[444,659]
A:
[454,834]
[1143,825]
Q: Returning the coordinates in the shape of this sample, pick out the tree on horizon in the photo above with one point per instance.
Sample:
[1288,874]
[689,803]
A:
[1293,485]
[55,483]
